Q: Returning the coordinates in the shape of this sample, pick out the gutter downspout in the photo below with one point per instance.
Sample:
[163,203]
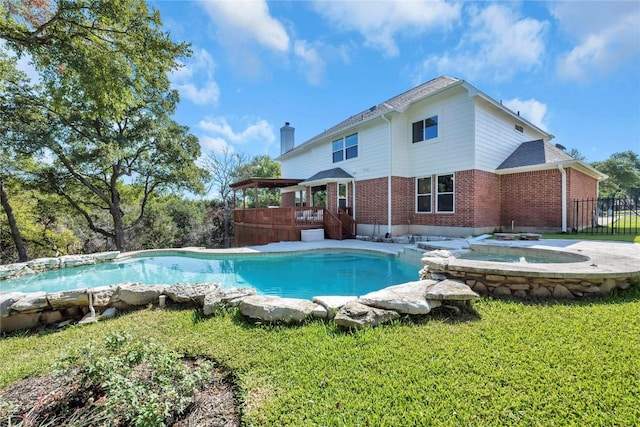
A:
[388,178]
[564,197]
[353,201]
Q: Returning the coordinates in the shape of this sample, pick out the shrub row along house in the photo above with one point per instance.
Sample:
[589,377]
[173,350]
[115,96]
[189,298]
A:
[440,159]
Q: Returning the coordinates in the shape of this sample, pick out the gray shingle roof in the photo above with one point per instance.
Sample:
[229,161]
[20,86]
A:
[534,153]
[329,174]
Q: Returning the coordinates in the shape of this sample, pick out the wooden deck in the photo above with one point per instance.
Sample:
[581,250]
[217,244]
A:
[262,226]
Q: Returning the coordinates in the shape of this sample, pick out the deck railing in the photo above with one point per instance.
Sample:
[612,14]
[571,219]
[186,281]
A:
[265,225]
[289,216]
[348,223]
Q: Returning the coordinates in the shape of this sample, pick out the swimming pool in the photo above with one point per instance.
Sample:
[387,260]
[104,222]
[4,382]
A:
[300,275]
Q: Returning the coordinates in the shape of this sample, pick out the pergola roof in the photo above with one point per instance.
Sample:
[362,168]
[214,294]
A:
[264,183]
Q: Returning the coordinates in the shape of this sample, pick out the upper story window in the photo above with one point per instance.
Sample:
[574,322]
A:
[425,129]
[345,148]
[445,187]
[423,195]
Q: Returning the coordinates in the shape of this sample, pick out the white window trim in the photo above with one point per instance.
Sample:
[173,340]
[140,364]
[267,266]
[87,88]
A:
[344,148]
[453,193]
[427,141]
[420,194]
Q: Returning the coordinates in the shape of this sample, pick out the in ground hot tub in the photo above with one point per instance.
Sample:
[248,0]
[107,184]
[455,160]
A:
[526,272]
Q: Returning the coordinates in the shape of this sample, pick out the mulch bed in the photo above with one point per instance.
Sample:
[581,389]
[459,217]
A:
[51,400]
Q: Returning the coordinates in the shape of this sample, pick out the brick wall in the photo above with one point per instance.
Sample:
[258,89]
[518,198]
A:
[332,197]
[403,191]
[531,199]
[580,186]
[486,199]
[371,201]
[288,199]
[482,199]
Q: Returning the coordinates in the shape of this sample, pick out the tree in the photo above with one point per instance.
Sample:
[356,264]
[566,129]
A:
[261,166]
[92,159]
[223,169]
[108,50]
[623,169]
[13,226]
[576,154]
[105,105]
[14,122]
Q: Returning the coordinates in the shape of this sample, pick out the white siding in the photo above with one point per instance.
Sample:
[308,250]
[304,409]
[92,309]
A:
[496,136]
[472,134]
[453,149]
[371,161]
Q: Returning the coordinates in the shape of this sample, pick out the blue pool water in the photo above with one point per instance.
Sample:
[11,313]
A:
[292,275]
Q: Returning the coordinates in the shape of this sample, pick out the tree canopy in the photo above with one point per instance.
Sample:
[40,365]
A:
[101,116]
[623,169]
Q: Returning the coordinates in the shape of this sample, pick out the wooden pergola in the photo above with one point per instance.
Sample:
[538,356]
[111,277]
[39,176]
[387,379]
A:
[257,183]
[262,225]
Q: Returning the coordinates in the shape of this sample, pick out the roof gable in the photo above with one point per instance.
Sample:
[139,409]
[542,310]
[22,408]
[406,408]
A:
[397,103]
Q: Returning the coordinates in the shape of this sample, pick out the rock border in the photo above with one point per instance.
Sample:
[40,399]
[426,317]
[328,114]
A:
[10,271]
[20,311]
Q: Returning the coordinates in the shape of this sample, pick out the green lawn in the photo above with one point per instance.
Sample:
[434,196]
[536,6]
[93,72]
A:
[575,363]
[631,238]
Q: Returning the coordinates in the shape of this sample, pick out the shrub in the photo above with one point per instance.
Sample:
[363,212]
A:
[137,382]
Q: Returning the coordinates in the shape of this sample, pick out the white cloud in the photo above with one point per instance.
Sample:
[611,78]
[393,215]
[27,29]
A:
[207,94]
[200,67]
[219,133]
[530,109]
[247,21]
[214,145]
[312,64]
[498,43]
[607,35]
[380,22]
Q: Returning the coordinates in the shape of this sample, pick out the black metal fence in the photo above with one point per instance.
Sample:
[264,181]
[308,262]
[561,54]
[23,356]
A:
[619,215]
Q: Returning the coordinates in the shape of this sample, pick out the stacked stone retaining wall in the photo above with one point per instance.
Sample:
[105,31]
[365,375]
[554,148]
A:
[530,287]
[564,280]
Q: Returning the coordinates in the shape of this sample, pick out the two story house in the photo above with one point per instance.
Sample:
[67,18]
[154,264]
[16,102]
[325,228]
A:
[440,159]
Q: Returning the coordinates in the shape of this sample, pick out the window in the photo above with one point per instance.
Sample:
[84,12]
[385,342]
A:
[423,195]
[301,198]
[338,150]
[345,148]
[425,129]
[445,192]
[519,128]
[342,196]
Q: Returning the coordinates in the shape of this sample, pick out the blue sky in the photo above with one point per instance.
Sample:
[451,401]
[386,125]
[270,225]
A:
[571,67]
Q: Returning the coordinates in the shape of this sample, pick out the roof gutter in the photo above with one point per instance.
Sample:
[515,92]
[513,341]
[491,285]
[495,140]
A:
[576,164]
